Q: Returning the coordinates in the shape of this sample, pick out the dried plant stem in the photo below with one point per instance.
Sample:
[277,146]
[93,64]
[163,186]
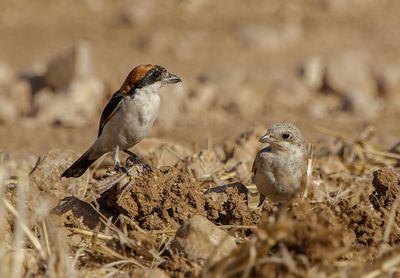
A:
[35,242]
[88,233]
[390,221]
[172,231]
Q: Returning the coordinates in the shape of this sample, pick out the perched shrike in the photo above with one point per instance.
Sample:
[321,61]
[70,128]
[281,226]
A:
[280,169]
[128,116]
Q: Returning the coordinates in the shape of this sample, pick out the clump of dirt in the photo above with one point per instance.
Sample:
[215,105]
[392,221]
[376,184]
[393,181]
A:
[290,235]
[386,184]
[365,223]
[230,208]
[163,199]
[169,196]
[315,231]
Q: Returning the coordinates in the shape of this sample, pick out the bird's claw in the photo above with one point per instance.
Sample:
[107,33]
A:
[261,203]
[147,168]
[123,169]
[134,159]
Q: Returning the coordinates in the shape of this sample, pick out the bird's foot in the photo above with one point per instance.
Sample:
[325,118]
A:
[134,159]
[121,168]
[262,199]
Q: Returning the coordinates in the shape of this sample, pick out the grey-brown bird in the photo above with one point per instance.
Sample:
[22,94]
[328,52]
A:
[128,116]
[280,169]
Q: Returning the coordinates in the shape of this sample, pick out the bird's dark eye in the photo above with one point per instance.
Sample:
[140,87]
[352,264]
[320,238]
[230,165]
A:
[156,74]
[285,136]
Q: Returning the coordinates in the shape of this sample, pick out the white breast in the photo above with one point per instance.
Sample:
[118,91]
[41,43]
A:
[140,113]
[133,120]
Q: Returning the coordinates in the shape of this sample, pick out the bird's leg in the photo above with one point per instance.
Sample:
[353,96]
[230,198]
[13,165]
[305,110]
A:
[135,159]
[117,163]
[262,198]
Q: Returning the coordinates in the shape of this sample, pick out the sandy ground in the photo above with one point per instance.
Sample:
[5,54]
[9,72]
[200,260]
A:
[331,67]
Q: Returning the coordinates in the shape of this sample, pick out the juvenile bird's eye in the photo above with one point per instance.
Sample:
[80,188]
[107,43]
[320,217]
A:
[285,136]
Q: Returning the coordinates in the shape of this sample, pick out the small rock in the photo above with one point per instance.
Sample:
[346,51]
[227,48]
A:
[271,37]
[312,72]
[74,63]
[46,176]
[201,240]
[350,71]
[349,76]
[20,93]
[8,110]
[388,80]
[7,75]
[75,107]
[148,273]
[362,104]
[134,13]
[15,100]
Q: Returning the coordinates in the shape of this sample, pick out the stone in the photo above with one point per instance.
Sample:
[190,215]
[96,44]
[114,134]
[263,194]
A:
[15,100]
[76,107]
[388,80]
[271,37]
[349,76]
[312,72]
[46,176]
[74,63]
[136,13]
[20,94]
[8,110]
[350,71]
[7,75]
[201,240]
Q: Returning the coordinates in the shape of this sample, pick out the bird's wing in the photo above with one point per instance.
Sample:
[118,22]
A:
[254,167]
[262,154]
[111,108]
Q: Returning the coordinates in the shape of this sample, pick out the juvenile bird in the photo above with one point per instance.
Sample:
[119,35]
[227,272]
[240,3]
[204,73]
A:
[280,169]
[128,116]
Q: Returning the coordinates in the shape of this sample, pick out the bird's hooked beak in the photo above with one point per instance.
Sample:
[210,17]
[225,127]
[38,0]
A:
[172,79]
[267,138]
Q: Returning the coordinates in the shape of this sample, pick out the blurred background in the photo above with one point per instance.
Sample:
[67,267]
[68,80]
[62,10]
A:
[323,64]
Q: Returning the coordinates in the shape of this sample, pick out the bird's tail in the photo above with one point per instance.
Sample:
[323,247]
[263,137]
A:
[80,166]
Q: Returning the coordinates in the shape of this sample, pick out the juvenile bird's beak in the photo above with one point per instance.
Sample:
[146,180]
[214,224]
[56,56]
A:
[172,78]
[267,138]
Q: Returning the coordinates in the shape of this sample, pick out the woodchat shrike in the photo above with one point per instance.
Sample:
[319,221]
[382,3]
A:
[280,169]
[128,116]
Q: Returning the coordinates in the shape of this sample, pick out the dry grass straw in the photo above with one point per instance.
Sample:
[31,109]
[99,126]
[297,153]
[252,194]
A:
[31,241]
[245,257]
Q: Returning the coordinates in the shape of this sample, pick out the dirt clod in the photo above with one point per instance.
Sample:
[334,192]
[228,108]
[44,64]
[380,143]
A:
[164,199]
[386,184]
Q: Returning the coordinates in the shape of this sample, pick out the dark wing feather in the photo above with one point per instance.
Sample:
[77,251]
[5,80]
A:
[254,168]
[111,107]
